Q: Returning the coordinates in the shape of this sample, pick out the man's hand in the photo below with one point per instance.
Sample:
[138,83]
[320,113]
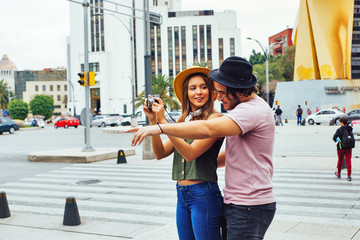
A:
[143,132]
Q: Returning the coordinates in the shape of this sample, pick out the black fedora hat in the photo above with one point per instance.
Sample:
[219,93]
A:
[234,72]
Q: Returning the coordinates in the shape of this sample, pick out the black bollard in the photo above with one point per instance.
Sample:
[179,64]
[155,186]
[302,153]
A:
[4,207]
[71,215]
[121,157]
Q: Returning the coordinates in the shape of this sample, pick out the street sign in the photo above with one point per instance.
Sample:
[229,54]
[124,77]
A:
[83,118]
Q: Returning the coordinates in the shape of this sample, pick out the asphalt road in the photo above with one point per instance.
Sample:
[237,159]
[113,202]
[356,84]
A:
[14,148]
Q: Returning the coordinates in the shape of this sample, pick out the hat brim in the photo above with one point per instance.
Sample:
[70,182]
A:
[181,77]
[214,75]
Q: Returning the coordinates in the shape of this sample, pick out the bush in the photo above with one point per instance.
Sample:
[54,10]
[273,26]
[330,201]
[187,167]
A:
[18,109]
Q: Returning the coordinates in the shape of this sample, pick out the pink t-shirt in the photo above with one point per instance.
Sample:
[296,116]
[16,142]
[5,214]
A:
[249,169]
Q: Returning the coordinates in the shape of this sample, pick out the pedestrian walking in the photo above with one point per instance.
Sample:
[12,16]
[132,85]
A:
[345,141]
[249,202]
[299,113]
[278,113]
[199,202]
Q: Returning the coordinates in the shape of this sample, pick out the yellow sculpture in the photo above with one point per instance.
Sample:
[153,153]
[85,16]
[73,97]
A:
[323,39]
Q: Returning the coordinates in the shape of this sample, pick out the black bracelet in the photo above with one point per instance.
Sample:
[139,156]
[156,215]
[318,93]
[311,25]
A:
[162,132]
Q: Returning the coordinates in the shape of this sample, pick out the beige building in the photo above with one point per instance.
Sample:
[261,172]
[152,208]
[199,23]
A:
[57,90]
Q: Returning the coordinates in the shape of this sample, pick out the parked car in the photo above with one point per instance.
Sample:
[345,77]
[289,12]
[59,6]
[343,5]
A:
[35,122]
[323,116]
[355,124]
[173,115]
[141,119]
[7,125]
[66,122]
[103,121]
[352,115]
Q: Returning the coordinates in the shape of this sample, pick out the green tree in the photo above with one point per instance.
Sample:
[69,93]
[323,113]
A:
[42,105]
[287,62]
[18,109]
[256,58]
[163,86]
[4,94]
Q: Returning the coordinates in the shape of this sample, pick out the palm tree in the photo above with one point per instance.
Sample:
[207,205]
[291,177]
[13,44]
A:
[4,94]
[163,86]
[201,64]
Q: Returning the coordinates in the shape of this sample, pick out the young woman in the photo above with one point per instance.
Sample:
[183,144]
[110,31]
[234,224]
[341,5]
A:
[343,151]
[199,200]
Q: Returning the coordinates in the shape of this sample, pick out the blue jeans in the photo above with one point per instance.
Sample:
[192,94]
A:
[199,211]
[299,117]
[248,222]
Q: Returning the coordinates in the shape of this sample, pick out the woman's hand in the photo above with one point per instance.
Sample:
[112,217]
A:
[143,132]
[158,108]
[149,114]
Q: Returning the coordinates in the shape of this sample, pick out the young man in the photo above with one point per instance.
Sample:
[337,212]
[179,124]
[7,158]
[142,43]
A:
[278,113]
[249,128]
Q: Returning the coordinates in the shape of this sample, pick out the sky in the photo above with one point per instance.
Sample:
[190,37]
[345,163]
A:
[33,32]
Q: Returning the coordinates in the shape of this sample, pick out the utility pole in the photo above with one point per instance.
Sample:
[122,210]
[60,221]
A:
[87,147]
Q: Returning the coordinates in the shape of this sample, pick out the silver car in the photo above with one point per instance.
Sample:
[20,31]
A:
[103,121]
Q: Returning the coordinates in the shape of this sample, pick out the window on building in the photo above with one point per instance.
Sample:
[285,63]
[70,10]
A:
[232,46]
[202,43]
[208,44]
[97,26]
[195,44]
[58,97]
[44,88]
[36,88]
[221,50]
[51,88]
[158,35]
[58,88]
[65,87]
[170,45]
[152,48]
[177,49]
[183,47]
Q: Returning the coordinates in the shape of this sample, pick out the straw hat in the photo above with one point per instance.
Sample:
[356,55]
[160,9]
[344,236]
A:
[181,77]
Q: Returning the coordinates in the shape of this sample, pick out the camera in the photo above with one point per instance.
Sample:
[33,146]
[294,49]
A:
[150,100]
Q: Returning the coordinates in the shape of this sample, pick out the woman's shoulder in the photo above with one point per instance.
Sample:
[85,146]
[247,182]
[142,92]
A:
[214,115]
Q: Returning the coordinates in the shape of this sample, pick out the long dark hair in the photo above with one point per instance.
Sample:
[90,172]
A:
[208,107]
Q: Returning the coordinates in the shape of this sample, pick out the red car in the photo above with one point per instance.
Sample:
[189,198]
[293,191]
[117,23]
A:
[67,122]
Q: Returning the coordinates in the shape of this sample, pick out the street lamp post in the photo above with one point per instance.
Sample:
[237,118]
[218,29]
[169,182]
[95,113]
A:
[266,53]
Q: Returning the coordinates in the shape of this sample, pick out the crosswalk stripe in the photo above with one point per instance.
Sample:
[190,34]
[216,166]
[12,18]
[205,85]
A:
[147,195]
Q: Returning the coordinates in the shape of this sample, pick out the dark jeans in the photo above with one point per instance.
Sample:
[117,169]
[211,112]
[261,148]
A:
[299,118]
[199,211]
[248,222]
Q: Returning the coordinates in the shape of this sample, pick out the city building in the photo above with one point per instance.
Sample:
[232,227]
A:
[7,71]
[50,82]
[179,39]
[280,41]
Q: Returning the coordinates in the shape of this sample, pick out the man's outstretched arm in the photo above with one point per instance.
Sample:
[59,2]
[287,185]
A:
[218,127]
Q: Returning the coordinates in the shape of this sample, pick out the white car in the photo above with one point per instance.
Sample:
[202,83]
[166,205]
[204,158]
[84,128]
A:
[355,124]
[323,116]
[141,119]
[103,121]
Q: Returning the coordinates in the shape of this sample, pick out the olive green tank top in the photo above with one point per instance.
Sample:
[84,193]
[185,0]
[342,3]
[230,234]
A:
[202,168]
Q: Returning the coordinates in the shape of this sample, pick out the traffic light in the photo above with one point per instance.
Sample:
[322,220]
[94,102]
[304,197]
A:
[92,78]
[276,102]
[82,80]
